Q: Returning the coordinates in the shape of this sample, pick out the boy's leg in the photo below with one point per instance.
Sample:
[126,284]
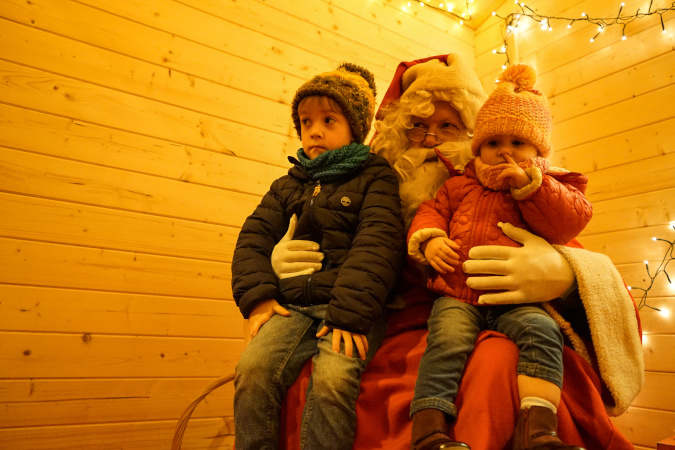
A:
[329,417]
[267,367]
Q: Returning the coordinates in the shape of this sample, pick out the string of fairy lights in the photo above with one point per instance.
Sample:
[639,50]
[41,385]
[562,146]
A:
[447,8]
[661,269]
[512,21]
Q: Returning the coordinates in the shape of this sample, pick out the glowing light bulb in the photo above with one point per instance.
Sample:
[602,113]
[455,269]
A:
[665,312]
[494,13]
[623,38]
[503,49]
[569,25]
[592,40]
[461,22]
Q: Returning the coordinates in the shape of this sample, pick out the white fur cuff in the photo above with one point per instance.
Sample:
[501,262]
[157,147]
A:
[420,236]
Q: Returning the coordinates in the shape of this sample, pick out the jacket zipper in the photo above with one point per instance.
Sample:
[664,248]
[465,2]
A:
[308,282]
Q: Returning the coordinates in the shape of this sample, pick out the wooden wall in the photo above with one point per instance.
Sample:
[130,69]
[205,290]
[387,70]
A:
[135,137]
[614,120]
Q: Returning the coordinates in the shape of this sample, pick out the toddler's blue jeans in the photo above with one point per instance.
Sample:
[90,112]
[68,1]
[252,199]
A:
[453,328]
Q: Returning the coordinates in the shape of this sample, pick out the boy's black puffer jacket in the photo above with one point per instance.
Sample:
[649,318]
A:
[357,222]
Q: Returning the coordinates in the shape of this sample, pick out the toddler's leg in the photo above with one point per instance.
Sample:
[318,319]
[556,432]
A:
[539,342]
[267,367]
[453,327]
[540,371]
[329,417]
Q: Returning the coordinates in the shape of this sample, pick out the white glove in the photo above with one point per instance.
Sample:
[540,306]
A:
[535,272]
[292,258]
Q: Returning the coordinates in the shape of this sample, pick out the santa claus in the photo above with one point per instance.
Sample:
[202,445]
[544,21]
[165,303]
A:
[602,375]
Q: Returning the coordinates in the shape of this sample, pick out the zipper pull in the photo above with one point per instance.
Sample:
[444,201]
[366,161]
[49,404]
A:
[317,189]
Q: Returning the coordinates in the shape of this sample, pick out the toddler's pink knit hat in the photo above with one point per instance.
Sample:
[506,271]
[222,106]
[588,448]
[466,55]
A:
[515,108]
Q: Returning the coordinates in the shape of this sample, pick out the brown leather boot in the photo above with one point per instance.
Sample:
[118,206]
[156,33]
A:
[536,430]
[429,432]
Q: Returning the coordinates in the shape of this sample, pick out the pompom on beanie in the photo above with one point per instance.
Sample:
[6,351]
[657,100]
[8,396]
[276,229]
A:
[352,87]
[515,108]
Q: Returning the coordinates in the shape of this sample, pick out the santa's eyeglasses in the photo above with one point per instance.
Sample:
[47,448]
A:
[418,134]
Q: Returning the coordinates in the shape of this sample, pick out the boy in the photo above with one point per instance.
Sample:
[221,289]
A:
[346,200]
[509,180]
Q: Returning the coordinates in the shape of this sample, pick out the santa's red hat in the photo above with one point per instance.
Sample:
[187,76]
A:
[441,73]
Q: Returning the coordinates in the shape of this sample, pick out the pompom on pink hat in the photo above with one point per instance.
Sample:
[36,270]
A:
[515,108]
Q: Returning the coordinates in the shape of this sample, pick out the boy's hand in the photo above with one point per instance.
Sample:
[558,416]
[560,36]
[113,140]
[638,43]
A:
[440,252]
[349,339]
[264,312]
[514,173]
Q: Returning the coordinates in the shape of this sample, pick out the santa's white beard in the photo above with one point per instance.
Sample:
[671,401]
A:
[421,174]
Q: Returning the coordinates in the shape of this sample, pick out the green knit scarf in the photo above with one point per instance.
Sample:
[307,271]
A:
[333,164]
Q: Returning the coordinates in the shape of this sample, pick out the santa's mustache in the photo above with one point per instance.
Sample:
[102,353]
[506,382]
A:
[421,173]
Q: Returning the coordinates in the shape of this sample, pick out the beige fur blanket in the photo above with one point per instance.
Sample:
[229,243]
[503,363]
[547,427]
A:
[613,323]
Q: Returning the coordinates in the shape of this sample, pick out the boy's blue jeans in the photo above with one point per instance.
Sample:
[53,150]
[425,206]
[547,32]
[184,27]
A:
[453,328]
[273,360]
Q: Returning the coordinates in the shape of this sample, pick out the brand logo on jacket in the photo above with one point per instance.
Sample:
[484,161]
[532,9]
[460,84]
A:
[345,201]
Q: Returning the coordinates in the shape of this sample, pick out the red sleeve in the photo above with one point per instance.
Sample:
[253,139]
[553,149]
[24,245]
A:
[559,210]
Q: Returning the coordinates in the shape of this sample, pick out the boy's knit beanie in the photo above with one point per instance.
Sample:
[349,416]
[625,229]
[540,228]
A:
[352,87]
[515,108]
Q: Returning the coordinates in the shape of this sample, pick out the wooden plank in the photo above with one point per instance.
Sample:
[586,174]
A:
[64,266]
[95,27]
[651,209]
[647,175]
[90,226]
[659,351]
[533,41]
[349,30]
[638,80]
[29,403]
[61,179]
[42,91]
[644,426]
[212,434]
[577,45]
[625,147]
[658,392]
[600,59]
[90,355]
[640,111]
[37,132]
[622,55]
[636,275]
[489,34]
[632,245]
[78,311]
[35,48]
[659,322]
